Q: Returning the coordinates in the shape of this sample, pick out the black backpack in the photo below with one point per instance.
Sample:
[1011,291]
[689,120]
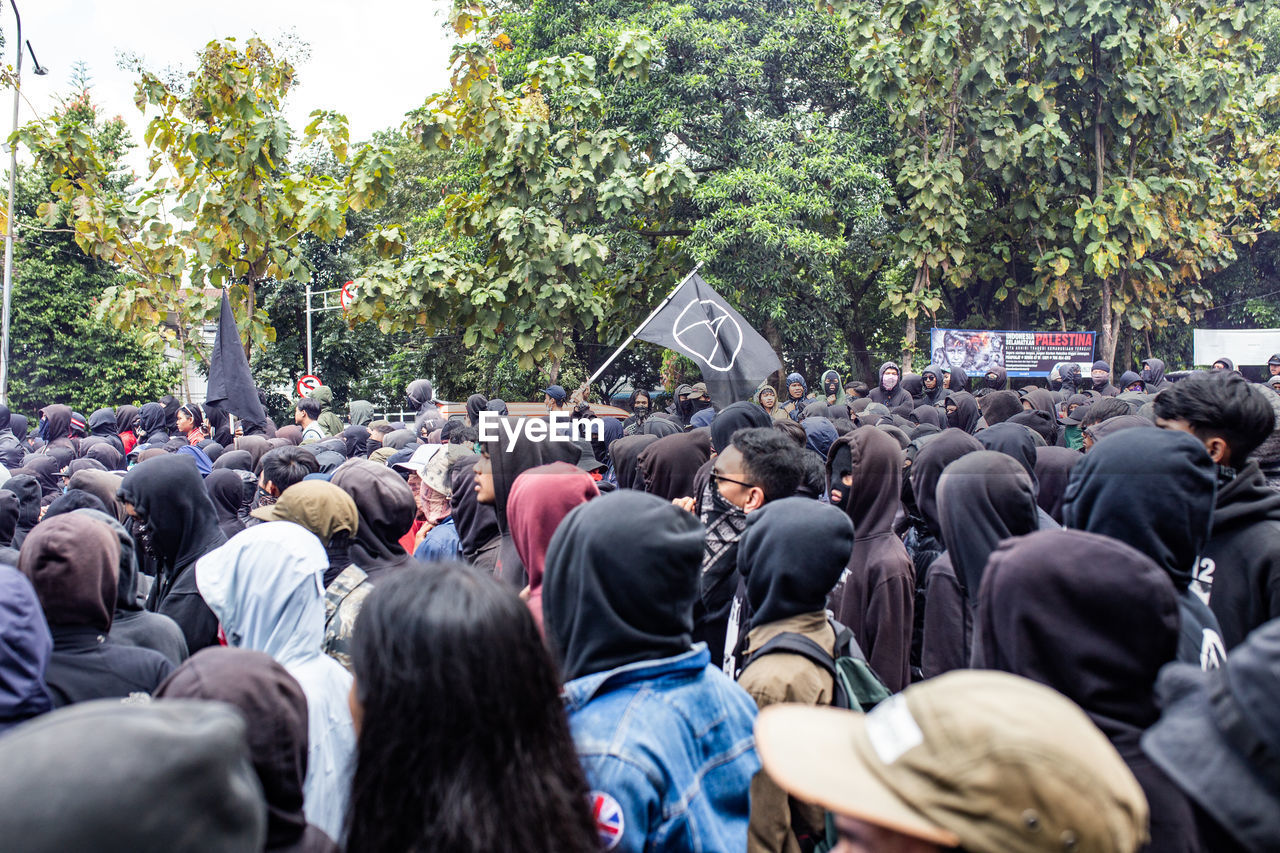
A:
[857,687]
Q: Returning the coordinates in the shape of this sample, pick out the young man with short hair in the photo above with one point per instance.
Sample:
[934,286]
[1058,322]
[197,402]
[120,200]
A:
[282,468]
[1239,567]
[306,414]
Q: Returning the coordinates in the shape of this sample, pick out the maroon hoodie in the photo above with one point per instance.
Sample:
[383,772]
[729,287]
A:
[539,500]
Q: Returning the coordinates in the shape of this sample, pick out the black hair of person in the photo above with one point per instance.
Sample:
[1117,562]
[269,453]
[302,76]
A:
[1104,410]
[843,426]
[464,435]
[859,388]
[443,761]
[792,430]
[195,413]
[309,407]
[770,460]
[285,466]
[1222,404]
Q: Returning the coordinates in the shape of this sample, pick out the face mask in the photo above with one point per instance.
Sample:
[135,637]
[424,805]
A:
[889,381]
[640,411]
[1145,374]
[1099,381]
[832,388]
[953,418]
[145,537]
[1134,387]
[993,381]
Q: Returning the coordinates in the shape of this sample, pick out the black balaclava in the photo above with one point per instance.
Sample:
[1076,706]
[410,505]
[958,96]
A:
[966,414]
[791,553]
[620,583]
[1153,489]
[179,518]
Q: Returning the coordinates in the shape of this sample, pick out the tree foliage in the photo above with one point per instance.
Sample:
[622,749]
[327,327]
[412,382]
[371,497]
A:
[528,244]
[1073,152]
[220,205]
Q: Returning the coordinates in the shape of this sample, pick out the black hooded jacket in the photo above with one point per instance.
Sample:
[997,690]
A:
[1095,620]
[875,596]
[27,489]
[182,525]
[939,393]
[1241,561]
[11,452]
[386,507]
[56,426]
[791,554]
[476,523]
[983,498]
[152,423]
[102,424]
[1154,489]
[621,580]
[1153,374]
[226,490]
[72,561]
[995,379]
[959,380]
[898,396]
[131,625]
[1017,442]
[966,415]
[275,714]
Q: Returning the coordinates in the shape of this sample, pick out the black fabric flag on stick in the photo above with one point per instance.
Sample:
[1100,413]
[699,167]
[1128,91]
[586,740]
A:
[230,383]
[697,322]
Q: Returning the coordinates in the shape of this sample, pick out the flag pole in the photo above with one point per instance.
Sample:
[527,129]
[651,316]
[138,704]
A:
[638,329]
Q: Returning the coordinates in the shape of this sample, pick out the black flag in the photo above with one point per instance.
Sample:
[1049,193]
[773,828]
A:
[697,322]
[230,382]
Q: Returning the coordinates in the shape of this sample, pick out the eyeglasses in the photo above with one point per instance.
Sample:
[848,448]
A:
[716,478]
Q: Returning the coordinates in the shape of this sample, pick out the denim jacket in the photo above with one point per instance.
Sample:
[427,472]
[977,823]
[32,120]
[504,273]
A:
[668,752]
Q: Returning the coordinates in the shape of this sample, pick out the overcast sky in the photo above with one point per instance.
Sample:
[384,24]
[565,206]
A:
[372,60]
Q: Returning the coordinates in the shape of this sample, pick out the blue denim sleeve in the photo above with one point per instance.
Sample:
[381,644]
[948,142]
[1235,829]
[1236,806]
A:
[624,802]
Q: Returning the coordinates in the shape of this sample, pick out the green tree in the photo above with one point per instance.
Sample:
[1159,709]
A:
[792,162]
[59,351]
[526,255]
[1072,155]
[220,205]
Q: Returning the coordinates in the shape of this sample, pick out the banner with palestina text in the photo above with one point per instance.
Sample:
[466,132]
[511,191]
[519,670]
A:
[1019,353]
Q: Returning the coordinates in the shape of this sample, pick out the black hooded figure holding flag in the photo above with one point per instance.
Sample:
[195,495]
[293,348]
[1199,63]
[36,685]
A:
[231,386]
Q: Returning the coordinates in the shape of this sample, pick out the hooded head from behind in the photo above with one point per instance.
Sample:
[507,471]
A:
[983,498]
[933,458]
[386,506]
[1153,489]
[621,579]
[792,553]
[168,493]
[1084,614]
[73,562]
[873,459]
[264,586]
[732,418]
[188,771]
[274,709]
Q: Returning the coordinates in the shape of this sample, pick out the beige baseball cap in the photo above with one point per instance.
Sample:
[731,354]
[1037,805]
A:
[987,761]
[320,507]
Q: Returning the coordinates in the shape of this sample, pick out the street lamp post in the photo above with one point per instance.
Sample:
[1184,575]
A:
[8,233]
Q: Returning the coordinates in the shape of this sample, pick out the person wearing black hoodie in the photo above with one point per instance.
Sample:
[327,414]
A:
[875,596]
[11,452]
[386,506]
[1154,489]
[1100,373]
[275,714]
[151,425]
[227,492]
[102,424]
[8,526]
[175,523]
[962,411]
[1095,620]
[790,556]
[1239,567]
[995,379]
[72,561]
[55,427]
[983,498]
[889,390]
[477,524]
[131,625]
[1152,374]
[27,489]
[663,735]
[934,383]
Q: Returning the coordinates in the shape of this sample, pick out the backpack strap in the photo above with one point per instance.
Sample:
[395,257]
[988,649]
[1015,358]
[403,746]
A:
[797,644]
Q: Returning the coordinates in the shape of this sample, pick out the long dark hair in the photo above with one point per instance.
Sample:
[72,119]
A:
[464,743]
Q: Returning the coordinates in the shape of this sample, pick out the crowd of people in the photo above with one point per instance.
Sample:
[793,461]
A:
[914,616]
